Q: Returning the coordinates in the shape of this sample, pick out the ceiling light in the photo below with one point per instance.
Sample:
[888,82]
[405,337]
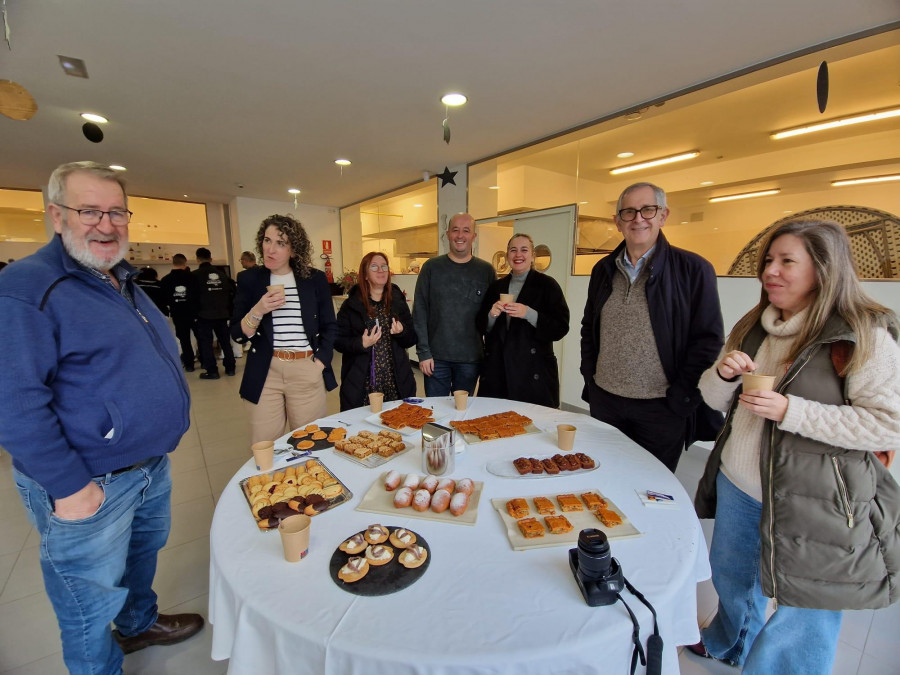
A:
[746,195]
[707,182]
[92,117]
[625,155]
[684,222]
[655,162]
[294,191]
[72,66]
[418,206]
[871,179]
[343,162]
[582,202]
[117,167]
[493,187]
[185,196]
[842,122]
[453,99]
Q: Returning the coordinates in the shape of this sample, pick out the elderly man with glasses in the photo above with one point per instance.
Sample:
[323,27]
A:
[652,324]
[93,401]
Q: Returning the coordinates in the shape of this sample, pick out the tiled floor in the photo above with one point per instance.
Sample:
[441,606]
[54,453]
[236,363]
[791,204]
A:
[210,453]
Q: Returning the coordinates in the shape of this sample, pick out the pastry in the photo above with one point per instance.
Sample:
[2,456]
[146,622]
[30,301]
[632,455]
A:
[412,481]
[413,557]
[517,508]
[523,465]
[354,544]
[593,501]
[530,528]
[392,480]
[421,500]
[459,502]
[430,483]
[319,435]
[332,491]
[440,502]
[447,484]
[558,524]
[305,445]
[268,523]
[376,534]
[609,518]
[311,427]
[537,466]
[278,477]
[378,554]
[403,497]
[550,466]
[300,433]
[544,506]
[466,485]
[569,503]
[259,505]
[355,569]
[586,462]
[402,538]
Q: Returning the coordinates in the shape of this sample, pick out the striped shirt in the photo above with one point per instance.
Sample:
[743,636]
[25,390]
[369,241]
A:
[288,321]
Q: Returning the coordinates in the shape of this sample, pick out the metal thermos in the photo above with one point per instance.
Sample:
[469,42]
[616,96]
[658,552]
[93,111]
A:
[438,449]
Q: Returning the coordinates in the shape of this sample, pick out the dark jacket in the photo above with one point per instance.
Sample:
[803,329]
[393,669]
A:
[216,292]
[519,362]
[830,524]
[318,322]
[687,325]
[156,293]
[351,321]
[80,361]
[182,289]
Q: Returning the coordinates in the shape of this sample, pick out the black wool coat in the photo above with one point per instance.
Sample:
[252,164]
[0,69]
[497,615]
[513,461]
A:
[351,320]
[519,362]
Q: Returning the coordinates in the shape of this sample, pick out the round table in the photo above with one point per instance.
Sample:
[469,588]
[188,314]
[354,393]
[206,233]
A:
[480,607]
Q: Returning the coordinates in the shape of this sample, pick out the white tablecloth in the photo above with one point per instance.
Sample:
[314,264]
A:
[480,607]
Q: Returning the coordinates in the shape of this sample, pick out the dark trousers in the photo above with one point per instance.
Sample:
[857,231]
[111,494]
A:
[205,330]
[183,326]
[648,422]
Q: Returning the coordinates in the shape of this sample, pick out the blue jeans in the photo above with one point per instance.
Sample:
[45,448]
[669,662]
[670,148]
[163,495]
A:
[794,639]
[100,569]
[450,376]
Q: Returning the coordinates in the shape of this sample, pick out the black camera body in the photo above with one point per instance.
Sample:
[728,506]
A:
[597,573]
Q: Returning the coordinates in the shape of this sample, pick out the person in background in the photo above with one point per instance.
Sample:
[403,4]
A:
[652,324]
[93,402]
[215,303]
[375,329]
[248,261]
[148,279]
[182,290]
[519,362]
[805,513]
[449,292]
[291,330]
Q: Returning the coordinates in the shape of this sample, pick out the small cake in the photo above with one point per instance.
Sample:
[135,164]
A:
[459,503]
[355,544]
[523,465]
[447,484]
[440,501]
[430,483]
[550,466]
[593,501]
[378,554]
[402,538]
[300,433]
[421,500]
[376,534]
[609,518]
[544,506]
[569,503]
[412,481]
[355,569]
[558,524]
[319,435]
[530,528]
[517,508]
[413,557]
[466,485]
[586,462]
[403,497]
[392,480]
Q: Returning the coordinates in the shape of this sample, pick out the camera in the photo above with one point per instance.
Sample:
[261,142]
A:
[597,573]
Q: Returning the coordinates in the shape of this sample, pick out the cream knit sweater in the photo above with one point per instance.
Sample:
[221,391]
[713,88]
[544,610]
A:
[871,423]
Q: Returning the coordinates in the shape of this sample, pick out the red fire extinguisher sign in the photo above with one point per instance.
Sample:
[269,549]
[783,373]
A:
[326,246]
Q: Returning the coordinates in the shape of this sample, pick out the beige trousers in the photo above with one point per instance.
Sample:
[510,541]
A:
[294,393]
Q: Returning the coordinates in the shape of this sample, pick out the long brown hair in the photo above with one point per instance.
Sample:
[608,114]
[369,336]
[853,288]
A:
[838,291]
[363,283]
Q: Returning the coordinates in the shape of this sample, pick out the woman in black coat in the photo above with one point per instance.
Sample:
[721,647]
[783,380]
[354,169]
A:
[519,362]
[374,331]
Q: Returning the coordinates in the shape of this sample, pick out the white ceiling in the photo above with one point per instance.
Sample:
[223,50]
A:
[205,94]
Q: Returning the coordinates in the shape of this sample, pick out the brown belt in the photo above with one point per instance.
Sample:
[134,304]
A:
[286,355]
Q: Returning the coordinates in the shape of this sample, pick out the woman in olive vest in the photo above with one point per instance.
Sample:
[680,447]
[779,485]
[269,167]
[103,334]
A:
[806,513]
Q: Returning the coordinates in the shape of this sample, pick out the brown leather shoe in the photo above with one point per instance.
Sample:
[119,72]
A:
[169,629]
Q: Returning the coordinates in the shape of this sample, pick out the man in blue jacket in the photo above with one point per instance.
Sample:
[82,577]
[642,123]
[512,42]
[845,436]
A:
[94,399]
[652,324]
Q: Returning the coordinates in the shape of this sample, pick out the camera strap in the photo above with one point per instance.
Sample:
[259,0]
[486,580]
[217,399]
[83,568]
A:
[653,658]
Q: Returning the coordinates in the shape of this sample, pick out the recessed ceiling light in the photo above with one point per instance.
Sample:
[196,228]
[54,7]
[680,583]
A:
[707,182]
[746,195]
[93,117]
[294,191]
[72,66]
[117,167]
[453,99]
[655,162]
[582,202]
[833,124]
[185,196]
[418,206]
[862,181]
[788,211]
[625,155]
[494,187]
[684,222]
[343,162]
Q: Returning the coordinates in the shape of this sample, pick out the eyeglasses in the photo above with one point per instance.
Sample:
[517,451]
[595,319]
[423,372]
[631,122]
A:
[92,217]
[379,268]
[647,212]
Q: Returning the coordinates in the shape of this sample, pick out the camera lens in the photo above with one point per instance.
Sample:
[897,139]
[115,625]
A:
[594,559]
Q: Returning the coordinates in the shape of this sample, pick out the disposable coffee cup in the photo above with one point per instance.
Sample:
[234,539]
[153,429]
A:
[565,436]
[276,287]
[376,400]
[506,298]
[761,382]
[461,398]
[263,454]
[294,531]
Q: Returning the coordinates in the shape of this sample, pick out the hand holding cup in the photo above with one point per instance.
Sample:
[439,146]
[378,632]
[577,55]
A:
[735,363]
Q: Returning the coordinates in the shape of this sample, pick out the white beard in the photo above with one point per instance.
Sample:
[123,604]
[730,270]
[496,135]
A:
[80,251]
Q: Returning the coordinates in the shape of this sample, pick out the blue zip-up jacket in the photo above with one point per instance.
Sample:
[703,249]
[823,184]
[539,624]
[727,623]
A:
[88,383]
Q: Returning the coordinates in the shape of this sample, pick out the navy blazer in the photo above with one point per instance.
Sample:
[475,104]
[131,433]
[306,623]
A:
[317,310]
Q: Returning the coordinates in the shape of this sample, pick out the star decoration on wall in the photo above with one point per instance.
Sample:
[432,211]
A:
[447,176]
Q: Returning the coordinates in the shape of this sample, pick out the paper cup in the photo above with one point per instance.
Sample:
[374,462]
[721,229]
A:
[506,298]
[761,382]
[276,287]
[376,400]
[565,436]
[294,531]
[461,398]
[264,454]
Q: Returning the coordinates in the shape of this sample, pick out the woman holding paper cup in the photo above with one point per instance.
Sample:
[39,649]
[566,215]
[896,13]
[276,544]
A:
[375,329]
[284,310]
[522,315]
[805,511]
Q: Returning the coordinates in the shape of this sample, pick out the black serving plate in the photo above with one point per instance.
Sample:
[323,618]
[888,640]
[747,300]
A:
[322,444]
[380,579]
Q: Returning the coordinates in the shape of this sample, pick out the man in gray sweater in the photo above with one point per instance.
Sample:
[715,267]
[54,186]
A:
[449,292]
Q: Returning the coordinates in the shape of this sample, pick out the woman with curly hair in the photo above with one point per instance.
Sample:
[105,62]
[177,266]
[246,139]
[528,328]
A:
[285,310]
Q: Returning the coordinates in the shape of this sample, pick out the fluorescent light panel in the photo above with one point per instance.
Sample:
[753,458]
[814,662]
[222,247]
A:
[833,124]
[654,162]
[746,195]
[862,181]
